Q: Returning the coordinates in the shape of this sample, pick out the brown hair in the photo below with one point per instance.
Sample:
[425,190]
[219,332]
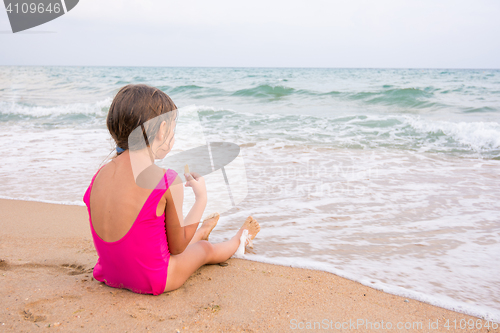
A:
[133,106]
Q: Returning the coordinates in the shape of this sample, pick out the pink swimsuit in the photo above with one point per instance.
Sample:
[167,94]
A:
[139,260]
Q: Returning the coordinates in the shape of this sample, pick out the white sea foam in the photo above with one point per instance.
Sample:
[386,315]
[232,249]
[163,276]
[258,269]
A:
[477,135]
[16,108]
[194,109]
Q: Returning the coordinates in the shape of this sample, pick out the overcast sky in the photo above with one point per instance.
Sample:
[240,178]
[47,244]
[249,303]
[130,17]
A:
[312,33]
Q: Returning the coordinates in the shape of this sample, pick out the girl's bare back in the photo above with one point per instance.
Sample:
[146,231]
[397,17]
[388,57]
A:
[116,200]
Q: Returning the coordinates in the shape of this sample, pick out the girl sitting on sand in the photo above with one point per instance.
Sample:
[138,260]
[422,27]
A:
[135,208]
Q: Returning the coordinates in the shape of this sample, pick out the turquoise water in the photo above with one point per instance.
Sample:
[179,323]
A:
[449,111]
[390,177]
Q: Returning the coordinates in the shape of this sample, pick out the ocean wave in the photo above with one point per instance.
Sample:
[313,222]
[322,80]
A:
[406,97]
[480,139]
[388,95]
[359,131]
[13,110]
[194,91]
[479,136]
[265,91]
[479,110]
[181,89]
[202,109]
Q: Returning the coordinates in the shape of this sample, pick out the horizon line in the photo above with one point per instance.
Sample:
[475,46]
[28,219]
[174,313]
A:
[263,67]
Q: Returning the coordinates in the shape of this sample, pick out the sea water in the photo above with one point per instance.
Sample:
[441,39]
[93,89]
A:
[389,177]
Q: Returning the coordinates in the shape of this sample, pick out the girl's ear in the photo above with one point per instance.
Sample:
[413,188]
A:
[162,131]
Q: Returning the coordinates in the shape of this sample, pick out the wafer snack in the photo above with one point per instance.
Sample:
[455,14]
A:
[186,169]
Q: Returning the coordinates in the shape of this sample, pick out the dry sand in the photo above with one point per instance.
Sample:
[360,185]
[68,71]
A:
[46,283]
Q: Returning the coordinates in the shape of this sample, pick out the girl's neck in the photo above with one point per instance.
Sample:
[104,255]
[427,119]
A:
[140,160]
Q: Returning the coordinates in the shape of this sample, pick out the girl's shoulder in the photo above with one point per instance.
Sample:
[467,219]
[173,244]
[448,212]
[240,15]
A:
[172,177]
[169,176]
[99,171]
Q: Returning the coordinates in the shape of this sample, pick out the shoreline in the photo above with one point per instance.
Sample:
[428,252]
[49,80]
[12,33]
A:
[48,255]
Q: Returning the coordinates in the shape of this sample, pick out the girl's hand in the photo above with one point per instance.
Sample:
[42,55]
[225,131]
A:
[197,182]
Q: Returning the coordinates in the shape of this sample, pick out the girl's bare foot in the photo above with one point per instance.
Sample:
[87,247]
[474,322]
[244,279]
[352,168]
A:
[209,224]
[248,231]
[252,226]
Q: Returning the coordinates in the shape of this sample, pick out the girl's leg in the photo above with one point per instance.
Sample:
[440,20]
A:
[183,265]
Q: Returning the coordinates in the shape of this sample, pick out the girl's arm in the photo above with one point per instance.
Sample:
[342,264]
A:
[180,231]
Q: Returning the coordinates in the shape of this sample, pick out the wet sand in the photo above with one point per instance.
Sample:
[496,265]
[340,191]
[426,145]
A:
[48,254]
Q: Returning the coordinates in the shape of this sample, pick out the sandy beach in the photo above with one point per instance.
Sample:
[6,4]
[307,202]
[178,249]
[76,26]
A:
[47,255]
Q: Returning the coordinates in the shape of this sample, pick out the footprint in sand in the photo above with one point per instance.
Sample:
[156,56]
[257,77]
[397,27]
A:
[77,269]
